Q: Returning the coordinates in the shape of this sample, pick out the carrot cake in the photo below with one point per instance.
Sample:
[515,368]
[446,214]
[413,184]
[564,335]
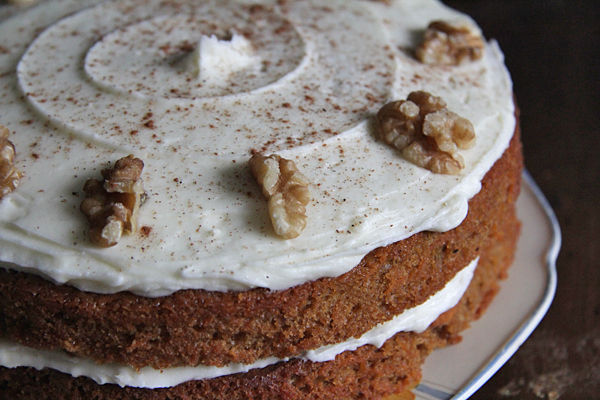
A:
[247,199]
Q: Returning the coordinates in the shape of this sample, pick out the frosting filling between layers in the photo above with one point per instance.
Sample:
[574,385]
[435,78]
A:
[416,319]
[115,78]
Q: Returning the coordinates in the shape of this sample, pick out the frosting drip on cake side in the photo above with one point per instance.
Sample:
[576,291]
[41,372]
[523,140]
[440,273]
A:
[83,83]
[416,319]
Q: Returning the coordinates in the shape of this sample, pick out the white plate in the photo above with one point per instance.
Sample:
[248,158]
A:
[456,372]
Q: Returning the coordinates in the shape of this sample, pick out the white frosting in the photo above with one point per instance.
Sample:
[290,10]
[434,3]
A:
[218,60]
[100,81]
[416,319]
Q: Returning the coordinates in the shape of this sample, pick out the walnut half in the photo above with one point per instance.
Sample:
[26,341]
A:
[286,189]
[111,206]
[450,43]
[426,132]
[9,175]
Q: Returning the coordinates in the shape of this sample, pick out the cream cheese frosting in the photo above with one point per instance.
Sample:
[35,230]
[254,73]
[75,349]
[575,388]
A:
[416,319]
[83,83]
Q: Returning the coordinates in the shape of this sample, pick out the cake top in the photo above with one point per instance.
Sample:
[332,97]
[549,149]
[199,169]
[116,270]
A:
[194,89]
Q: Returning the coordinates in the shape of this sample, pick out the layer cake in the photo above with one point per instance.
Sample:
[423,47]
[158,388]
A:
[204,299]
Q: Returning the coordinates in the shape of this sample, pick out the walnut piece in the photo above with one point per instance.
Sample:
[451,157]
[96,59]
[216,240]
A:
[286,189]
[9,175]
[111,206]
[450,43]
[426,132]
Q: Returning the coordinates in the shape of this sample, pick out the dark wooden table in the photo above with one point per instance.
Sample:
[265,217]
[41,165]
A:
[552,49]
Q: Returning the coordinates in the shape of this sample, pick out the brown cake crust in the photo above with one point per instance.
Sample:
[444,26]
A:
[194,327]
